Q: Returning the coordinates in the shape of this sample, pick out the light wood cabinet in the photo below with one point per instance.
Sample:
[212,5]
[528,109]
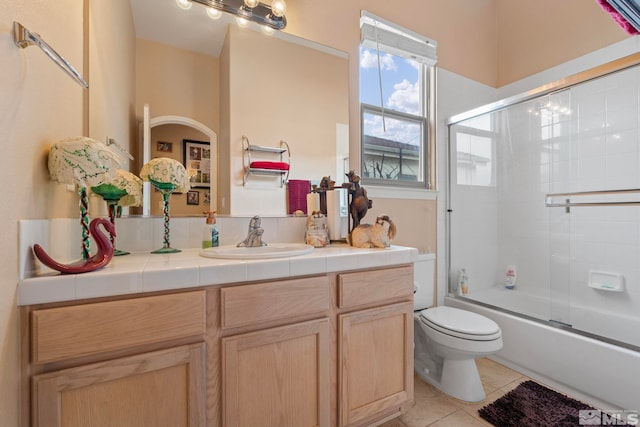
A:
[332,350]
[276,353]
[148,390]
[126,362]
[67,332]
[375,344]
[277,377]
[376,361]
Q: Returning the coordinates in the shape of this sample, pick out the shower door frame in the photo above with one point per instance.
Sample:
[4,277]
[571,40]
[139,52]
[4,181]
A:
[545,90]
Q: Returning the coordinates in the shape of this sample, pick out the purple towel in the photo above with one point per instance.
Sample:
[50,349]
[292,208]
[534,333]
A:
[630,29]
[298,190]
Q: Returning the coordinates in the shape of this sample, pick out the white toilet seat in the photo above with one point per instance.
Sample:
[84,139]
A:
[461,324]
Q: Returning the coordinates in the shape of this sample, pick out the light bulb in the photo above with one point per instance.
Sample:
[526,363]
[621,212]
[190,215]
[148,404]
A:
[242,22]
[184,4]
[267,30]
[251,3]
[278,8]
[214,13]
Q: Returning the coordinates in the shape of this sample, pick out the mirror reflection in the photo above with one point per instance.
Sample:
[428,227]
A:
[235,81]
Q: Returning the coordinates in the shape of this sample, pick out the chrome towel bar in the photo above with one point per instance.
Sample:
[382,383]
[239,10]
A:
[24,38]
[589,195]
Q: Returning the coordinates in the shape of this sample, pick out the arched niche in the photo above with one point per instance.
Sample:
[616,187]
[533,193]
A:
[150,123]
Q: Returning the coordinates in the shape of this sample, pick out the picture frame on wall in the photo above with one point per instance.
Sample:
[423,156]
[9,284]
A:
[164,147]
[197,162]
[193,198]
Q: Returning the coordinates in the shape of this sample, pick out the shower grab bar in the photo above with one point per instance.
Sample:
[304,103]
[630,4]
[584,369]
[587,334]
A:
[568,203]
[24,38]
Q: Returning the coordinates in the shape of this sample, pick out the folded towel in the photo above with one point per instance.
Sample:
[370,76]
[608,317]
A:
[281,166]
[620,19]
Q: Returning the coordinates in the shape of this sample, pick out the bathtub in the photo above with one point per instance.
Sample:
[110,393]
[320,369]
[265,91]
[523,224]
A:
[600,373]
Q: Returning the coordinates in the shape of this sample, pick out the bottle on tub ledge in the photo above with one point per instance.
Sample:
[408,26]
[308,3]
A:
[510,277]
[463,282]
[210,238]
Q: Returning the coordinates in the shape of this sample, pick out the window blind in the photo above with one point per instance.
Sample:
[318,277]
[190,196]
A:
[376,32]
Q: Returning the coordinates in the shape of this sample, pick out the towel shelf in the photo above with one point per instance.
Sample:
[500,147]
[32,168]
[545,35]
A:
[274,161]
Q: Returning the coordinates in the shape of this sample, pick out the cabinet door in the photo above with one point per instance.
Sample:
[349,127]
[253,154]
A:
[277,377]
[162,388]
[376,361]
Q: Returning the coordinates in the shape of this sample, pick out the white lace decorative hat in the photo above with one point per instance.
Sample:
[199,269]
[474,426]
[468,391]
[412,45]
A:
[166,170]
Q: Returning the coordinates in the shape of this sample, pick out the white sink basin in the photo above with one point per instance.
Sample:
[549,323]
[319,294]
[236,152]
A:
[272,250]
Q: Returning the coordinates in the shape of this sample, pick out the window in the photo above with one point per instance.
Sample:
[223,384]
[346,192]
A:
[475,151]
[397,105]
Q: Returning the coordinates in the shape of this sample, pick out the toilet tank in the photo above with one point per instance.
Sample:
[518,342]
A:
[424,281]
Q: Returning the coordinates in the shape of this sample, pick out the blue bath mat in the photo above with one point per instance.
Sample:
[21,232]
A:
[533,405]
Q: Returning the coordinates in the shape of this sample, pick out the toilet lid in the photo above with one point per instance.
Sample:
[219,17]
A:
[461,323]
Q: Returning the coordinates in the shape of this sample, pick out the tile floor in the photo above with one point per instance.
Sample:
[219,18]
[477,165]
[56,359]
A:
[433,408]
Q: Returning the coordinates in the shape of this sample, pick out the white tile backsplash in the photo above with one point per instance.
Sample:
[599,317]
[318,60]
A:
[61,237]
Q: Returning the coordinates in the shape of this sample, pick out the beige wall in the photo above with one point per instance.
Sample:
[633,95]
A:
[415,221]
[536,35]
[177,82]
[494,42]
[38,105]
[111,72]
[465,30]
[299,97]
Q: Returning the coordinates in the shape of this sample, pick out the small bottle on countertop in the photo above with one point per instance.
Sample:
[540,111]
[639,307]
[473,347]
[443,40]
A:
[210,237]
[463,282]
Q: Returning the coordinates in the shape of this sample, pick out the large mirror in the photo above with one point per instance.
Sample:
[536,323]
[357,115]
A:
[233,81]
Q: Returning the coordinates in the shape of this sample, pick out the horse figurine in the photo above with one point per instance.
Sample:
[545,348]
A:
[100,259]
[360,203]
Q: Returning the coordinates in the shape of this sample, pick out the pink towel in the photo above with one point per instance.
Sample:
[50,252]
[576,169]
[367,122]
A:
[298,190]
[630,29]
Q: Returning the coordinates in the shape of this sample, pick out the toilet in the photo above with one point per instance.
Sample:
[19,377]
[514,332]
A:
[447,340]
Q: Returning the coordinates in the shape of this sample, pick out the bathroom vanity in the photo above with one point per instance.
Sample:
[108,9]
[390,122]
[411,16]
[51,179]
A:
[324,339]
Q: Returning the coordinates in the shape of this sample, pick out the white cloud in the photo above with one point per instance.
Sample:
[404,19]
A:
[405,97]
[369,59]
[413,63]
[396,130]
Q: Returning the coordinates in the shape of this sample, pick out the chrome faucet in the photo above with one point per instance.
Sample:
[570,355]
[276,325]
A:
[254,236]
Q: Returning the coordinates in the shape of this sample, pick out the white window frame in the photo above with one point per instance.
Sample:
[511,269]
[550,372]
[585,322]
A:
[378,33]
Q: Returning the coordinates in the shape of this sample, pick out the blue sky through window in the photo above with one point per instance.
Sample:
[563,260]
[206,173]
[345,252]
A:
[400,90]
[400,85]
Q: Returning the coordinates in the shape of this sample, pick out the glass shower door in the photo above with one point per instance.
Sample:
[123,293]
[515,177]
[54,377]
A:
[556,125]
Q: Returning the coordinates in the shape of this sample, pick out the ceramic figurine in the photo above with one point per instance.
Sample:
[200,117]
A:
[317,233]
[100,259]
[360,203]
[378,235]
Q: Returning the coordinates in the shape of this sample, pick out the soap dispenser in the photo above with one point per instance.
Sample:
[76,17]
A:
[210,232]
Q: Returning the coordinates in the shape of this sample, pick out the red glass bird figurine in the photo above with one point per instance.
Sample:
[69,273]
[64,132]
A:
[100,259]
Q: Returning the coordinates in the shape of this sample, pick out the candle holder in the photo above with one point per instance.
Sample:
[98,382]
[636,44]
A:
[165,188]
[111,195]
[83,162]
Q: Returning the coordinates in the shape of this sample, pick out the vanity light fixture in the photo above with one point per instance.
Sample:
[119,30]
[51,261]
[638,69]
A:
[214,13]
[272,16]
[242,21]
[184,4]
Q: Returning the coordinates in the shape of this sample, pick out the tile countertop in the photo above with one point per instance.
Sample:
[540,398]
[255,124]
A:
[145,272]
